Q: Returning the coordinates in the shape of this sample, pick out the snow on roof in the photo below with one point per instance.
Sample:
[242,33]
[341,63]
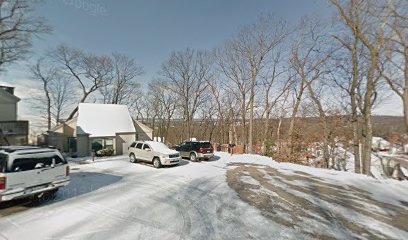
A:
[103,120]
[6,96]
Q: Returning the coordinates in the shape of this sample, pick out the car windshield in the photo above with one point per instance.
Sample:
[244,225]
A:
[205,144]
[158,146]
[3,162]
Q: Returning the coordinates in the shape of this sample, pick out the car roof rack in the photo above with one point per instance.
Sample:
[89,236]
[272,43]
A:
[11,149]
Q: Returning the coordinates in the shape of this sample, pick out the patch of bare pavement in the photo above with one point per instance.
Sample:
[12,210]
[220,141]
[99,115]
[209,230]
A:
[317,208]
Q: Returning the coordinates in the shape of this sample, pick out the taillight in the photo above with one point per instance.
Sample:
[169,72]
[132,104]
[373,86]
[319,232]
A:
[201,150]
[67,172]
[3,182]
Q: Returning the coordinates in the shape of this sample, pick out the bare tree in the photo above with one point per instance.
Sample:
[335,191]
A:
[164,104]
[232,65]
[46,75]
[188,72]
[316,96]
[138,105]
[367,23]
[62,94]
[219,95]
[351,72]
[17,27]
[90,71]
[124,86]
[395,68]
[309,54]
[255,43]
[57,91]
[275,85]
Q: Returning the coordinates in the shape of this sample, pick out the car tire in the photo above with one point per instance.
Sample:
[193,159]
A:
[193,157]
[132,158]
[156,162]
[45,196]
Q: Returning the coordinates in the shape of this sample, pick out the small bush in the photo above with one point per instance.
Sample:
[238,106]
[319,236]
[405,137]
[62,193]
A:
[269,148]
[105,152]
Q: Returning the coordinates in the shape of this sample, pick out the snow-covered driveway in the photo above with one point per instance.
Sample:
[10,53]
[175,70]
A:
[114,199]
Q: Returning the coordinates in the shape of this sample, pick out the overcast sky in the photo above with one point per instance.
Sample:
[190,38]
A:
[149,30]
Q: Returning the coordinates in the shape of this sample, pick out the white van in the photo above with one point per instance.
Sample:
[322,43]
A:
[156,153]
[31,171]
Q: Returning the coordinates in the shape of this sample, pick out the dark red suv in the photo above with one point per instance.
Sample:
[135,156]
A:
[195,150]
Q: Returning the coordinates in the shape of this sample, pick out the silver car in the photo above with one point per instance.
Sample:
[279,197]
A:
[156,153]
[31,171]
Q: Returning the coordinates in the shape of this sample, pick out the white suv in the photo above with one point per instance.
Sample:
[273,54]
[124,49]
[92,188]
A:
[154,152]
[31,171]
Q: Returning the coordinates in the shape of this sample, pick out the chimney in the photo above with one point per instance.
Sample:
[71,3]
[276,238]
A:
[8,89]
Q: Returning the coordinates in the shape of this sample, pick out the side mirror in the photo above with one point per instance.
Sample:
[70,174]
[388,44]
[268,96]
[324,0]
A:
[148,149]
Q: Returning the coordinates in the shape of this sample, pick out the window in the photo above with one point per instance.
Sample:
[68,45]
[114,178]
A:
[108,143]
[72,144]
[133,145]
[57,160]
[26,164]
[205,145]
[139,145]
[3,162]
[146,147]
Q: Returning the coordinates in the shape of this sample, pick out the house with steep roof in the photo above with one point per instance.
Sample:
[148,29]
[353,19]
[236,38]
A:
[12,130]
[96,127]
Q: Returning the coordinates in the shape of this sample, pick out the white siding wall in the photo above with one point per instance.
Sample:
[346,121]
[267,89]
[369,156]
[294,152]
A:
[8,112]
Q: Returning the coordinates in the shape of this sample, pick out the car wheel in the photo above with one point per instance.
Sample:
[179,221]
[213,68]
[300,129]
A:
[45,196]
[156,162]
[193,157]
[132,158]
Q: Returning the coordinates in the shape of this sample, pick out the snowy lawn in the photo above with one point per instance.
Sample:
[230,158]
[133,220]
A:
[233,197]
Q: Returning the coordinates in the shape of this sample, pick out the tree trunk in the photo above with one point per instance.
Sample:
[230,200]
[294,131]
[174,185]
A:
[354,114]
[278,138]
[266,124]
[243,130]
[251,114]
[48,108]
[356,142]
[323,121]
[326,154]
[293,118]
[405,90]
[367,128]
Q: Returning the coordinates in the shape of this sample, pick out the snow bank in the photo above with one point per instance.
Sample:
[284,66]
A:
[384,190]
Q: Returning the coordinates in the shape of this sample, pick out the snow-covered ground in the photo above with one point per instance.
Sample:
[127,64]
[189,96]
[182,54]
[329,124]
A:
[114,199]
[379,161]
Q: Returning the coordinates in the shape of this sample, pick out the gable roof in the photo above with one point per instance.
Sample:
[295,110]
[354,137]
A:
[103,120]
[55,128]
[7,97]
